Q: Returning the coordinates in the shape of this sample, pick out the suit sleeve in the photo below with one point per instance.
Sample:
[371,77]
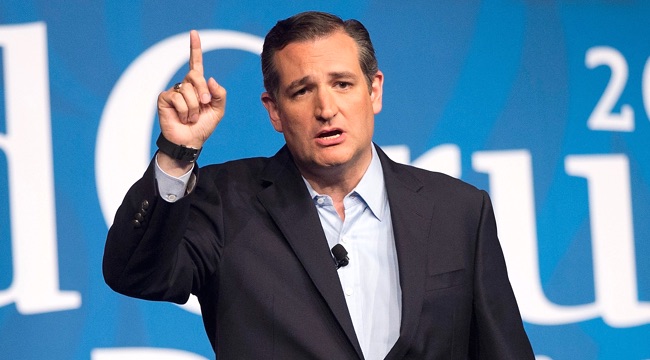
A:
[497,330]
[157,250]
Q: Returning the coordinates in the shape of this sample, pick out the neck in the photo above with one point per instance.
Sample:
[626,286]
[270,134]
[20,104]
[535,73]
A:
[336,181]
[336,188]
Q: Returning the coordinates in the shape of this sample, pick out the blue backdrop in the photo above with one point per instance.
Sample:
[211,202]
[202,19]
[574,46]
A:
[545,104]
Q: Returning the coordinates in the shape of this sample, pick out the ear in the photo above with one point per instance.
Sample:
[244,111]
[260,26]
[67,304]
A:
[376,92]
[273,110]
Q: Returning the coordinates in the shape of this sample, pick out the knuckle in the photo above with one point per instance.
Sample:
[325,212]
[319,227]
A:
[177,97]
[194,74]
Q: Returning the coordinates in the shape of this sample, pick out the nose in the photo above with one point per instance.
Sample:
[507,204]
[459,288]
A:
[326,108]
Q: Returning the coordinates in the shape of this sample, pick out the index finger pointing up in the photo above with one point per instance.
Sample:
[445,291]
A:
[196,55]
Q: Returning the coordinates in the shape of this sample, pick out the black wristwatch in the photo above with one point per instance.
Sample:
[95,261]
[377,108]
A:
[178,152]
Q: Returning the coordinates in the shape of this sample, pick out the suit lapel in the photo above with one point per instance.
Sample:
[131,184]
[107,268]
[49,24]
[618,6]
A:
[411,214]
[287,201]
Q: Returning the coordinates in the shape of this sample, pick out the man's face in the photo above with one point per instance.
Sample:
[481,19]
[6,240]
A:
[323,106]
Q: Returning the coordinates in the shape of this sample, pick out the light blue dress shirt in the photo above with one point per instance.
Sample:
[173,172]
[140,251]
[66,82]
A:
[370,281]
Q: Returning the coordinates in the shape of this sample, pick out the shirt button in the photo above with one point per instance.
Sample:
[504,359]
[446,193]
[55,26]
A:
[344,240]
[349,291]
[320,201]
[171,197]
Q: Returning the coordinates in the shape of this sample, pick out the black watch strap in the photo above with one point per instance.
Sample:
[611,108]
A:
[178,152]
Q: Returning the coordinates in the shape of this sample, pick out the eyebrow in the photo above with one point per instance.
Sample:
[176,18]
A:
[342,75]
[297,83]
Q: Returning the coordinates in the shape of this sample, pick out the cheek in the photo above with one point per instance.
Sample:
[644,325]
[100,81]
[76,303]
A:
[295,120]
[292,130]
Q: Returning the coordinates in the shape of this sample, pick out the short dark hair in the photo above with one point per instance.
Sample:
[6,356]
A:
[311,25]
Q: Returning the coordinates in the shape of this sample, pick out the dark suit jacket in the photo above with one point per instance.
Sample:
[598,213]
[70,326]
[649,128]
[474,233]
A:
[249,243]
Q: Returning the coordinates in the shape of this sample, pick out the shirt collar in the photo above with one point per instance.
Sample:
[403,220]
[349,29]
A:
[371,188]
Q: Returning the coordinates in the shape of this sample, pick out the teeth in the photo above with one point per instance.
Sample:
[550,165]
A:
[330,136]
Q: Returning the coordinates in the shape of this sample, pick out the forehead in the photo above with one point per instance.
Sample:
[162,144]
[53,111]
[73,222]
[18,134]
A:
[337,52]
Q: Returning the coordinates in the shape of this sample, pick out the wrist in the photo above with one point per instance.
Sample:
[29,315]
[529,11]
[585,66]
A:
[180,153]
[172,166]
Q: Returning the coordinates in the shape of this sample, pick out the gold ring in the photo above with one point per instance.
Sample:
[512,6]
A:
[177,87]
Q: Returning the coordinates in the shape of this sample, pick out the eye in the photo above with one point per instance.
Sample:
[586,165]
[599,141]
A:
[299,92]
[343,85]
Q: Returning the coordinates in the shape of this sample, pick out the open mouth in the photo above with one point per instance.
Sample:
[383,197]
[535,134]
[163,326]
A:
[328,135]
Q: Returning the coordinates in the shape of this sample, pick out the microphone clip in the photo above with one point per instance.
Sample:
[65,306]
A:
[340,256]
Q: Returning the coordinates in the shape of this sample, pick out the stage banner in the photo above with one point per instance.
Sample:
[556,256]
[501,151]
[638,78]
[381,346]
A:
[544,104]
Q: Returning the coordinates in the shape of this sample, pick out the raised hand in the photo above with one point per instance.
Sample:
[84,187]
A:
[188,115]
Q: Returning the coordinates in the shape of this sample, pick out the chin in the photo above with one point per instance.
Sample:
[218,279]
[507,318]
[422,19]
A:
[334,159]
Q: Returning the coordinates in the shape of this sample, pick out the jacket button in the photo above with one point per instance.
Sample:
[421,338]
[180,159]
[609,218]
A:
[139,217]
[144,205]
[136,224]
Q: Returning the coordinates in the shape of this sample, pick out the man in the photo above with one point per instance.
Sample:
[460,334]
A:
[251,238]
